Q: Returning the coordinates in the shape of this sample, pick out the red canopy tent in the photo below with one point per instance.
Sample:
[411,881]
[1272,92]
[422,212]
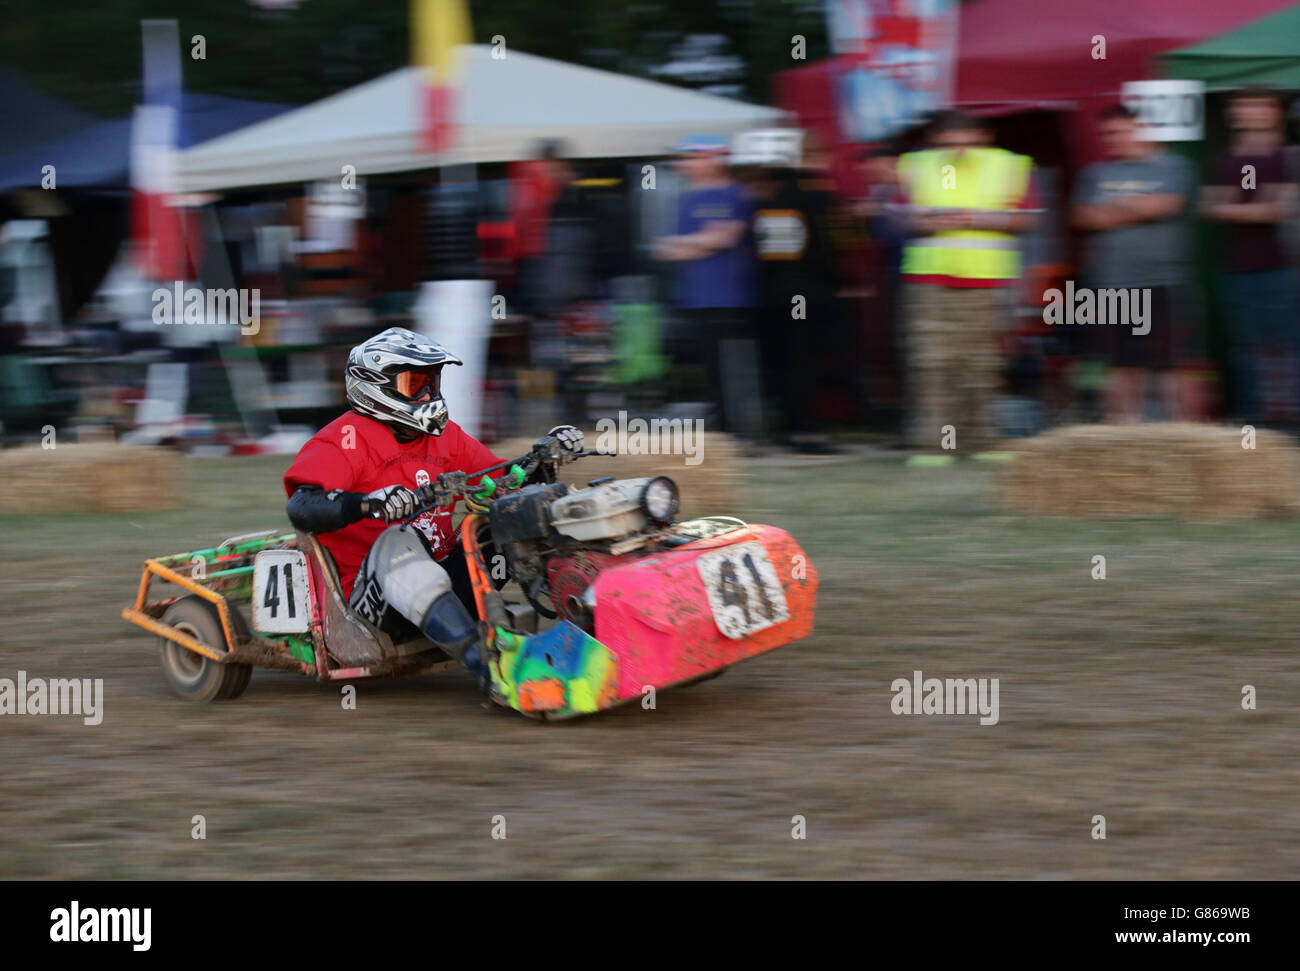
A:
[1021,56]
[1015,55]
[1040,52]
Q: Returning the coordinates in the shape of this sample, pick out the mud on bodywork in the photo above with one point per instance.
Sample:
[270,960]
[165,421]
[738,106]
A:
[656,616]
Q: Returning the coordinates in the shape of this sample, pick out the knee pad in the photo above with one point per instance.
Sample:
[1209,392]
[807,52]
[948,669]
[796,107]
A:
[449,625]
[411,580]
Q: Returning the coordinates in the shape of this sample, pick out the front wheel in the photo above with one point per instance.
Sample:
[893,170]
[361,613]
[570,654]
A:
[192,676]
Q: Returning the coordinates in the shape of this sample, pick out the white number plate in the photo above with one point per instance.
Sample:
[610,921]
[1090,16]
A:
[744,591]
[281,602]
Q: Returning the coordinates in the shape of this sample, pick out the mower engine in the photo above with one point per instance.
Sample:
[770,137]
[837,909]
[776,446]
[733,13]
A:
[612,509]
[569,537]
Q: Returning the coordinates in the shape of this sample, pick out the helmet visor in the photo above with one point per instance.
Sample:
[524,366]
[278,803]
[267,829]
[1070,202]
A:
[418,386]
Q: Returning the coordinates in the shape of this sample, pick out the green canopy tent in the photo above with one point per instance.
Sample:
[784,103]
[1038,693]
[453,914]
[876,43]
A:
[1263,52]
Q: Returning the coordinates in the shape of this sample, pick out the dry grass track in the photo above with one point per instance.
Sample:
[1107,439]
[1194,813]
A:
[1119,697]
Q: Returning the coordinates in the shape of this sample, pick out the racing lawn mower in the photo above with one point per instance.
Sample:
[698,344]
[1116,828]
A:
[614,596]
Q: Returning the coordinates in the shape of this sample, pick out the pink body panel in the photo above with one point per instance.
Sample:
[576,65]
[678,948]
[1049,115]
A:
[654,613]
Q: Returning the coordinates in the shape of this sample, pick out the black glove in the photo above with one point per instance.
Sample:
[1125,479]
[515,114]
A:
[570,438]
[391,503]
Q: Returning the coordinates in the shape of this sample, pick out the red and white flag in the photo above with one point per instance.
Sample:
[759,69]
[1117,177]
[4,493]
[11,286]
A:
[439,29]
[156,228]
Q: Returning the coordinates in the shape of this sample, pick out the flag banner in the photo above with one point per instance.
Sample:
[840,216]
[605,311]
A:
[439,28]
[894,62]
[156,228]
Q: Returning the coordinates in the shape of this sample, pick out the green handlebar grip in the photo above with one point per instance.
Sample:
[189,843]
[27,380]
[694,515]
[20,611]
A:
[511,480]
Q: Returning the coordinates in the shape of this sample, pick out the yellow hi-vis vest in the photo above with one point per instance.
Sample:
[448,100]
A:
[980,178]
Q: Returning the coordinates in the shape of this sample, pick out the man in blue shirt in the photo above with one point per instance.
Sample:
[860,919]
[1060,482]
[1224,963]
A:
[716,280]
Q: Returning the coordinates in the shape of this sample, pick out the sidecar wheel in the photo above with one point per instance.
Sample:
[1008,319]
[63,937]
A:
[192,676]
[239,684]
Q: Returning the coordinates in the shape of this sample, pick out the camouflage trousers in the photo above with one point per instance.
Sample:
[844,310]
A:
[954,366]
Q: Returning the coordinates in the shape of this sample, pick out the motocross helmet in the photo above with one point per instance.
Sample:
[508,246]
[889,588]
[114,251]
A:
[395,377]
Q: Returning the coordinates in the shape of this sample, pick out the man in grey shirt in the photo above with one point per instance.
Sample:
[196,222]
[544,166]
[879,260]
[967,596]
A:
[1135,208]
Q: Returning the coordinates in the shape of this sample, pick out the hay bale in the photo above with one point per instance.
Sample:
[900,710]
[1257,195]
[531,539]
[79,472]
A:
[710,488]
[1198,472]
[98,477]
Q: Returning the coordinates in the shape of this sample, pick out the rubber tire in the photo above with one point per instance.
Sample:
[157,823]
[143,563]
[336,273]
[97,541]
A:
[239,684]
[194,677]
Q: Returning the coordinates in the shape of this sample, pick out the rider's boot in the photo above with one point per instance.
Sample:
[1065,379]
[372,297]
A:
[449,625]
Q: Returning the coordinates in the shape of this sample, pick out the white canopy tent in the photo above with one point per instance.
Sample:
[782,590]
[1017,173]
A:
[505,106]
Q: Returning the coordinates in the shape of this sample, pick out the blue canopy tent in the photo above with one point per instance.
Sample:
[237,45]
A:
[29,116]
[92,161]
[98,154]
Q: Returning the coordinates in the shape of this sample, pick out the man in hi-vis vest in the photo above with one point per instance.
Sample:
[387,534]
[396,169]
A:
[967,202]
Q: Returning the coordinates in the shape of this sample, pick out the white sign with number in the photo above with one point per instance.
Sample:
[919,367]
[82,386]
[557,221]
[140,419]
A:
[331,200]
[744,591]
[1169,111]
[281,600]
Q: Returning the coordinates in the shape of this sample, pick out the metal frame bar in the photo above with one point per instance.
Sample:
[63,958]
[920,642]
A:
[137,615]
[162,568]
[142,614]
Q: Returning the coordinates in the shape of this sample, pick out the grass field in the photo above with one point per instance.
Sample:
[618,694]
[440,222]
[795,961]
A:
[1119,697]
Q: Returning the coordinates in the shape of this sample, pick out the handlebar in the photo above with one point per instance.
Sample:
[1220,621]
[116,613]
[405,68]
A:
[450,486]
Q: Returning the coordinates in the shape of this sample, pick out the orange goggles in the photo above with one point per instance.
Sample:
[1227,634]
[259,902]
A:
[418,385]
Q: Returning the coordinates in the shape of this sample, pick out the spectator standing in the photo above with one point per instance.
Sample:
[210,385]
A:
[716,282]
[1252,194]
[1135,208]
[881,207]
[967,202]
[882,213]
[534,184]
[800,316]
[586,240]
